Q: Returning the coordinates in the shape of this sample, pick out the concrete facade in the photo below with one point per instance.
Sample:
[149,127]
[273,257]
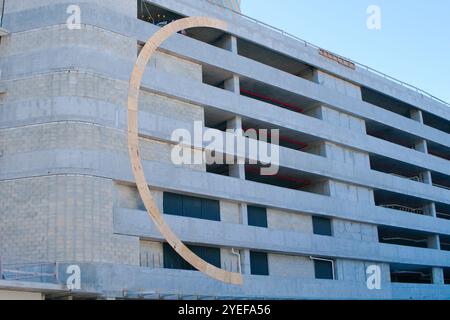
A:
[68,196]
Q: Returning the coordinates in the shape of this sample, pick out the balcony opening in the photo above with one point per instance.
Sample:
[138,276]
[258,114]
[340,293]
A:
[161,16]
[275,96]
[447,276]
[393,135]
[156,15]
[401,273]
[275,59]
[401,202]
[288,178]
[220,169]
[386,102]
[440,180]
[403,237]
[436,122]
[445,243]
[443,211]
[438,150]
[289,139]
[215,76]
[396,168]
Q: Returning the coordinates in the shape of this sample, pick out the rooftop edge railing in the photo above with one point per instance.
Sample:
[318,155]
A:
[308,44]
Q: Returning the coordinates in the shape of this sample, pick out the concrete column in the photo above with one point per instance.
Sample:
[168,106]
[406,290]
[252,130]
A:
[228,42]
[421,146]
[430,210]
[238,171]
[434,241]
[426,177]
[416,115]
[437,273]
[438,276]
[245,253]
[233,85]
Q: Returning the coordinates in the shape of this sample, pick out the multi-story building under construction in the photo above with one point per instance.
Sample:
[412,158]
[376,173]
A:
[363,184]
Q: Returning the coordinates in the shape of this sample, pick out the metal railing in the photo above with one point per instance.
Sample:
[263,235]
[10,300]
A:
[416,178]
[32,272]
[440,186]
[404,208]
[308,44]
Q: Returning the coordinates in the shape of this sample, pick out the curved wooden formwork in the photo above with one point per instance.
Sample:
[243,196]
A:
[133,145]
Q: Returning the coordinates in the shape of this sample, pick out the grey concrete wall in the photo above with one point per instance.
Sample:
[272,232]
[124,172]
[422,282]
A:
[70,195]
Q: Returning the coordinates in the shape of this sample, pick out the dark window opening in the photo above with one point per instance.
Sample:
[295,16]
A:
[322,226]
[447,276]
[156,15]
[445,243]
[275,59]
[390,134]
[403,237]
[386,102]
[172,260]
[396,168]
[438,150]
[191,207]
[436,122]
[411,274]
[275,96]
[440,180]
[220,169]
[443,211]
[259,263]
[287,178]
[323,269]
[257,216]
[401,202]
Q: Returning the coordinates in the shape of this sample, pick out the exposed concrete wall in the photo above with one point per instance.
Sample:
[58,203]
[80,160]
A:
[289,221]
[176,66]
[230,261]
[20,295]
[70,217]
[291,266]
[337,84]
[342,229]
[61,218]
[81,136]
[125,7]
[151,254]
[229,212]
[127,196]
[59,36]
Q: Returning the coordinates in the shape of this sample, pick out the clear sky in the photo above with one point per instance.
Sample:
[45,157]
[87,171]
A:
[413,44]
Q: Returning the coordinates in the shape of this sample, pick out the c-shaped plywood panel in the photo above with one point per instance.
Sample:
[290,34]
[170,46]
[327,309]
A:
[133,145]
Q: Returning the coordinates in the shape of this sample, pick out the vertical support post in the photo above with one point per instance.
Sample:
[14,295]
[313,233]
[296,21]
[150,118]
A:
[434,241]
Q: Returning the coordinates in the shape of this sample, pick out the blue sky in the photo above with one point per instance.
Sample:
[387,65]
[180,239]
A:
[413,44]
